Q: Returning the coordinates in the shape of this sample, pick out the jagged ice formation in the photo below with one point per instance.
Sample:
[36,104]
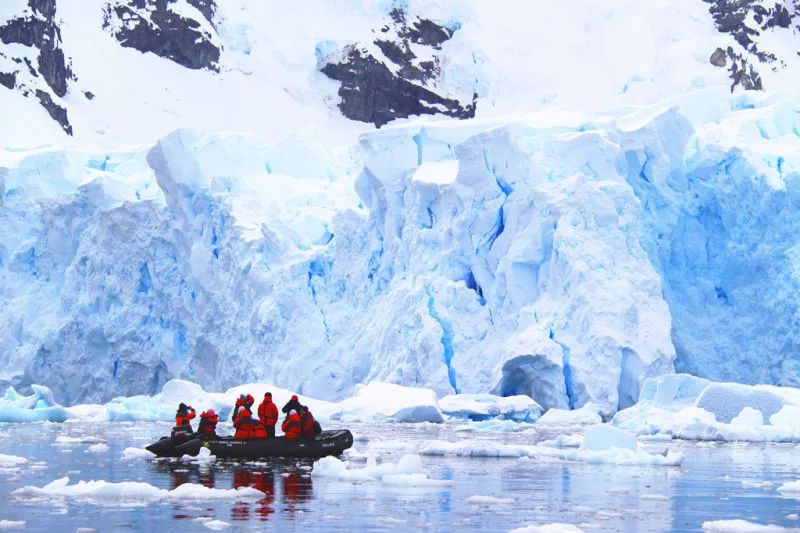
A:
[558,256]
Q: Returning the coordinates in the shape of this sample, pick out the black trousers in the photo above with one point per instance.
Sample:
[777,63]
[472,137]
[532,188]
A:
[270,431]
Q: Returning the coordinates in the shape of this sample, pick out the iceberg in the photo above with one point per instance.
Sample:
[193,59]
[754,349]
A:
[481,407]
[688,407]
[39,406]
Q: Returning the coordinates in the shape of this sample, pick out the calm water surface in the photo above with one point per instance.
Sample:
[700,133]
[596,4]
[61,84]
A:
[596,497]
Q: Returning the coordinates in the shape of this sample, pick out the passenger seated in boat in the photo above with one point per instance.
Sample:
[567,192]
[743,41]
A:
[293,403]
[309,428]
[183,415]
[208,424]
[291,427]
[246,426]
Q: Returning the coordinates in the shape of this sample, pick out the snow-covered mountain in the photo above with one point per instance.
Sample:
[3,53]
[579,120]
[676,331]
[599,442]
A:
[583,205]
[114,72]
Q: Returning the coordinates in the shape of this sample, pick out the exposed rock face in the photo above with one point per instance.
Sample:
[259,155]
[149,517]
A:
[36,27]
[746,21]
[167,29]
[386,79]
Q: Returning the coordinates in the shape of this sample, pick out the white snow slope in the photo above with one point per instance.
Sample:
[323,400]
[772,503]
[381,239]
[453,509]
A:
[517,57]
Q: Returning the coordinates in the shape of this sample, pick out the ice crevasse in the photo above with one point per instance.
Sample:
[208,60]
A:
[560,256]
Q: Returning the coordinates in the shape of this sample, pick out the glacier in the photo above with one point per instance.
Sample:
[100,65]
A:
[556,255]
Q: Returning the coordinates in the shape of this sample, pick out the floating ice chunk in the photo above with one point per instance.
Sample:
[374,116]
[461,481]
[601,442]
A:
[11,461]
[408,471]
[84,439]
[37,407]
[389,521]
[415,480]
[387,401]
[203,457]
[739,526]
[602,437]
[757,484]
[791,488]
[484,406]
[98,448]
[12,524]
[475,448]
[748,417]
[136,453]
[216,525]
[549,528]
[586,415]
[489,501]
[133,492]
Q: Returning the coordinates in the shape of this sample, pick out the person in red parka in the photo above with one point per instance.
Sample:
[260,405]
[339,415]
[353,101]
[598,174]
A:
[246,426]
[309,428]
[291,427]
[183,415]
[208,424]
[268,414]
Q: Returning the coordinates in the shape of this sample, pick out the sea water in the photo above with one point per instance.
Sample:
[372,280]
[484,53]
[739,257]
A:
[716,481]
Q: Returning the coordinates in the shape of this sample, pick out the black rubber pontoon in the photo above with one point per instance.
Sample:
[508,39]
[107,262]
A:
[326,443]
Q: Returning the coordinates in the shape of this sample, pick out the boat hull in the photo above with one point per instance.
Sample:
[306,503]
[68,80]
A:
[325,444]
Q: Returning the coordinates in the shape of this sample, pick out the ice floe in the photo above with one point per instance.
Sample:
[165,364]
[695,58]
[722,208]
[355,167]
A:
[408,471]
[739,526]
[132,492]
[131,453]
[480,407]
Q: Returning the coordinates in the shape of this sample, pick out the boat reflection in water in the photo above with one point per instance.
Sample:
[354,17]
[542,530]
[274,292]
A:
[296,486]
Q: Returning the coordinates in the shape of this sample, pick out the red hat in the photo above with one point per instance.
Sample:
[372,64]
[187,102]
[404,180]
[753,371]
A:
[294,396]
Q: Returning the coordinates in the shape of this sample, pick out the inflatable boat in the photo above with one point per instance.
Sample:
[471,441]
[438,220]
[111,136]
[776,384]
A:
[326,443]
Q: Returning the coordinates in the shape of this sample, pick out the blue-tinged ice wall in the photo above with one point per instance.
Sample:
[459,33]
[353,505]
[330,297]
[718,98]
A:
[567,259]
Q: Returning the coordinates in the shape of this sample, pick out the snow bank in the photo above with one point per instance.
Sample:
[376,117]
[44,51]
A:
[104,492]
[480,407]
[586,415]
[408,471]
[37,407]
[693,408]
[739,526]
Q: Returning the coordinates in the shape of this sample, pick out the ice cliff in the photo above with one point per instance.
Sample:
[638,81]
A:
[560,256]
